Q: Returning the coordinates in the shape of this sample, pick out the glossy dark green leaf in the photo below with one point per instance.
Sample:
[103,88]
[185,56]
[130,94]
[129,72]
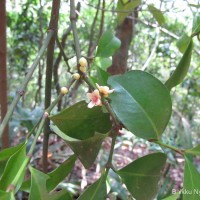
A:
[39,191]
[126,9]
[81,122]
[15,168]
[191,181]
[194,151]
[6,154]
[6,196]
[86,150]
[56,176]
[157,14]
[108,44]
[196,24]
[183,42]
[141,102]
[182,68]
[97,191]
[142,175]
[172,197]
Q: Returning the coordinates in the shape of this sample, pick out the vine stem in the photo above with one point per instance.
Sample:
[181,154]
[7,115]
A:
[25,83]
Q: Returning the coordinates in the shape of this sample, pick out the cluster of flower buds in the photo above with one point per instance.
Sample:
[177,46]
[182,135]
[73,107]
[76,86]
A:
[83,64]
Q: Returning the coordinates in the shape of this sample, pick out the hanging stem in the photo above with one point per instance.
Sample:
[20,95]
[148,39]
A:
[26,80]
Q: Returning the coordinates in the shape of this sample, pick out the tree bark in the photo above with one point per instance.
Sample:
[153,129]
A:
[124,32]
[3,71]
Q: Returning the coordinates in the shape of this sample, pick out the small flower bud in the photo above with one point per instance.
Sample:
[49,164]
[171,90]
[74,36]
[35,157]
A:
[83,69]
[76,76]
[63,90]
[46,115]
[83,62]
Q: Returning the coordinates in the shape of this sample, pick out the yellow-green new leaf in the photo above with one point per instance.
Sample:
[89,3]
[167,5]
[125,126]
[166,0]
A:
[157,14]
[125,9]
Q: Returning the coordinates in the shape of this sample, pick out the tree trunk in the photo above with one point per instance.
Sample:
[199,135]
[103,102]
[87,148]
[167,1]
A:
[124,32]
[3,73]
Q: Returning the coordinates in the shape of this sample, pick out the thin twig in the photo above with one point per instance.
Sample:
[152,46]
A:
[153,51]
[92,31]
[75,33]
[63,54]
[25,83]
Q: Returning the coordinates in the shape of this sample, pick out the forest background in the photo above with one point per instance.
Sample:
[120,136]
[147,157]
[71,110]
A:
[149,36]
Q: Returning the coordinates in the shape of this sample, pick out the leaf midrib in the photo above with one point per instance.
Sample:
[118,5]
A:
[145,113]
[138,174]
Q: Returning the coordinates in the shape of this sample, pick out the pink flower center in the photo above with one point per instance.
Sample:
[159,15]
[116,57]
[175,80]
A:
[95,98]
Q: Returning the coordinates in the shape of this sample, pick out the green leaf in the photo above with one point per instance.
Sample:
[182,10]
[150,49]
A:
[108,44]
[86,150]
[126,9]
[194,5]
[102,76]
[6,196]
[56,176]
[141,176]
[182,68]
[6,154]
[39,190]
[172,197]
[141,102]
[14,170]
[157,14]
[97,191]
[194,151]
[103,63]
[81,122]
[191,181]
[183,42]
[196,24]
